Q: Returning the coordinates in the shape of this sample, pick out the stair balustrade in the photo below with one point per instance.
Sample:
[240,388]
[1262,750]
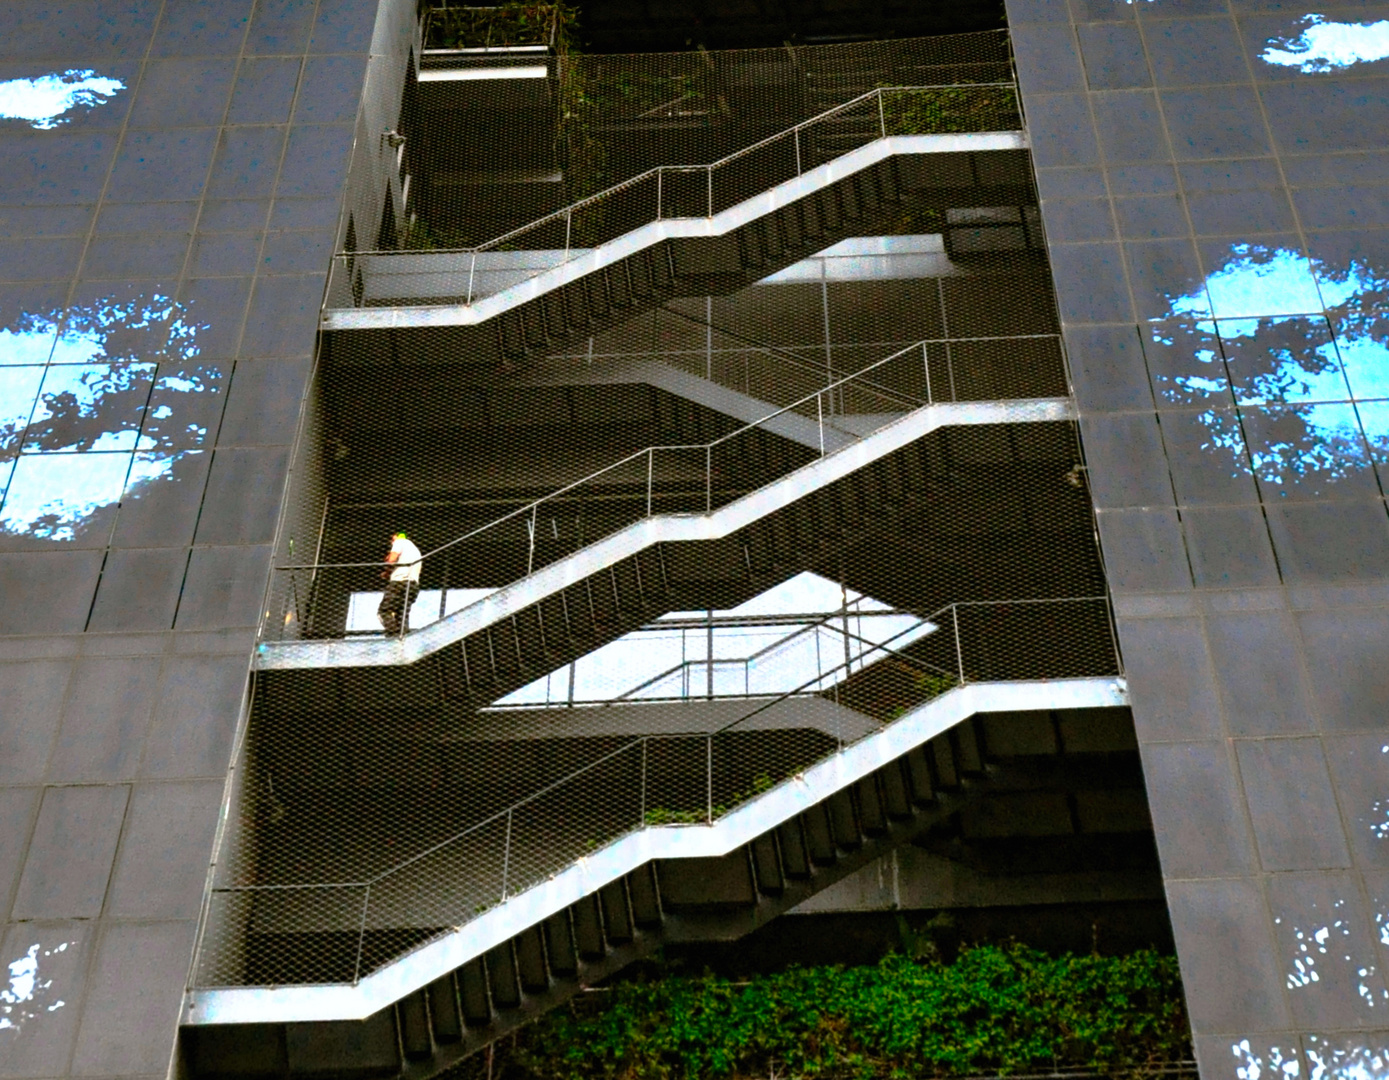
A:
[341,931]
[666,194]
[309,600]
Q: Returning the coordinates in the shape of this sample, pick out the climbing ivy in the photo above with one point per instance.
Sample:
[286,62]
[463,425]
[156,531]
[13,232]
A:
[950,108]
[996,1009]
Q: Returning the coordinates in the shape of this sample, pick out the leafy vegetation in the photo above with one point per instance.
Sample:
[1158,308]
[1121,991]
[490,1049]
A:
[501,26]
[997,1008]
[659,815]
[950,108]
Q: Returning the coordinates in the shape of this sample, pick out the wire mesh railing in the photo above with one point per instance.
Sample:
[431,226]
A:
[296,931]
[308,600]
[723,654]
[665,193]
[464,28]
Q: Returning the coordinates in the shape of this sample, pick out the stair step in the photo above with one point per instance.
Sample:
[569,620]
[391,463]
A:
[472,987]
[588,929]
[617,912]
[445,1018]
[645,897]
[501,977]
[767,865]
[871,814]
[530,961]
[818,838]
[945,773]
[413,1016]
[844,829]
[559,945]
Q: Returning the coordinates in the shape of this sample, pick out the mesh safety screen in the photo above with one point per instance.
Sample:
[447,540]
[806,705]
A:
[490,154]
[859,397]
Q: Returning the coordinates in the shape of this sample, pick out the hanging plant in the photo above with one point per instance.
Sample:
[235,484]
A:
[502,27]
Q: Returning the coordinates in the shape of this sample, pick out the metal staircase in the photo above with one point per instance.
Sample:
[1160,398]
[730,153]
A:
[466,986]
[559,598]
[691,230]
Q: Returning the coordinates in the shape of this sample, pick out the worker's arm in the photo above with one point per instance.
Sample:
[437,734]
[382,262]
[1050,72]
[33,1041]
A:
[392,557]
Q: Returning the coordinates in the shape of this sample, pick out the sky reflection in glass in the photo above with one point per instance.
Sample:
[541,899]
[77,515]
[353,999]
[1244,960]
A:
[1271,328]
[1329,46]
[79,416]
[1251,1066]
[43,101]
[29,991]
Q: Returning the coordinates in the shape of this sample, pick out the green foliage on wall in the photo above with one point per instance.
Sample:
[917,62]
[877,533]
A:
[995,1009]
[950,109]
[500,26]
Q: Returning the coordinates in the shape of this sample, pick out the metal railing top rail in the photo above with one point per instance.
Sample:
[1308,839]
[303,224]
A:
[559,215]
[394,908]
[946,615]
[522,511]
[798,630]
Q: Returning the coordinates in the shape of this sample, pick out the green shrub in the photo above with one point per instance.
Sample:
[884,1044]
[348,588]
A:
[995,1009]
[950,108]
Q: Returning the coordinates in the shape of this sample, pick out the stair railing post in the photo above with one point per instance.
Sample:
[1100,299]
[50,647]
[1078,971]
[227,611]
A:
[820,417]
[641,807]
[959,648]
[709,787]
[472,267]
[568,231]
[650,476]
[926,367]
[796,133]
[709,478]
[660,176]
[882,115]
[530,528]
[506,856]
[711,190]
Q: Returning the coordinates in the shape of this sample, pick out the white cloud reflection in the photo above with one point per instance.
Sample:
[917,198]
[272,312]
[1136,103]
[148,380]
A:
[1349,1061]
[75,393]
[43,101]
[1271,1065]
[1292,357]
[27,993]
[1329,46]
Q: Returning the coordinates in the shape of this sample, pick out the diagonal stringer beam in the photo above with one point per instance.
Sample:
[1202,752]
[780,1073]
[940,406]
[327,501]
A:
[501,923]
[659,529]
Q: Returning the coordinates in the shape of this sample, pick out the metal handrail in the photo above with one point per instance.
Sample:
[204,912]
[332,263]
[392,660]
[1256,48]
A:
[589,200]
[798,630]
[939,617]
[502,814]
[514,825]
[637,456]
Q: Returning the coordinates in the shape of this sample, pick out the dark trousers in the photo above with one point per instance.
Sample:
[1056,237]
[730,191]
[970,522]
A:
[395,604]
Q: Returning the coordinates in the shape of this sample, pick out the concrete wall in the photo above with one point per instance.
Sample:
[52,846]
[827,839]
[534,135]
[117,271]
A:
[164,240]
[1212,181]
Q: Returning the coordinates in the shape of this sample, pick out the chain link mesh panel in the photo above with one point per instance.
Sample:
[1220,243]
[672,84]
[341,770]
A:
[591,124]
[380,806]
[507,176]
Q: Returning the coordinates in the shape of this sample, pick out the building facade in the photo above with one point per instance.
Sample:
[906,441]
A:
[928,464]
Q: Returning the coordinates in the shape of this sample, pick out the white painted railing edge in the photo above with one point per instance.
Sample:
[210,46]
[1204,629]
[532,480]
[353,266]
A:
[628,244]
[298,1004]
[664,528]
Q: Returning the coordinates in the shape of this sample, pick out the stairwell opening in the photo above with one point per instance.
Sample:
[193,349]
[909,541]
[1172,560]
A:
[863,388]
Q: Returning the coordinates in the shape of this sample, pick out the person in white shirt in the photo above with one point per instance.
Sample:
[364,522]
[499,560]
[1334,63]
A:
[402,584]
